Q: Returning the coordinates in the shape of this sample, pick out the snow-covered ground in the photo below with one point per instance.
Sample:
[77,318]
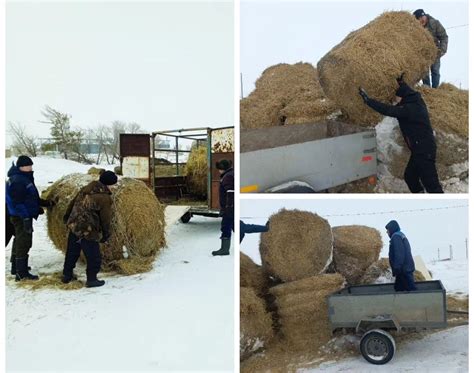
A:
[179,316]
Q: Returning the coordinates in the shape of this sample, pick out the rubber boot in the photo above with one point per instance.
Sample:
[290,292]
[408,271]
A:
[225,247]
[22,272]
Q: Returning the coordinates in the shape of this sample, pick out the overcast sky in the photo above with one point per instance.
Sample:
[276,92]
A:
[426,230]
[275,32]
[162,64]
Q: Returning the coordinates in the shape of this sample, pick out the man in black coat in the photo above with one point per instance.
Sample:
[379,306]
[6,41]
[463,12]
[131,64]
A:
[401,260]
[226,202]
[415,125]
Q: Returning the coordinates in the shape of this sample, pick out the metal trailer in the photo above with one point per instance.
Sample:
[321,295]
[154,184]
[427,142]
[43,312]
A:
[306,158]
[173,188]
[374,310]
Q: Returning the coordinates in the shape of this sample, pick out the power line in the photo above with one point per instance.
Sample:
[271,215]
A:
[458,26]
[376,212]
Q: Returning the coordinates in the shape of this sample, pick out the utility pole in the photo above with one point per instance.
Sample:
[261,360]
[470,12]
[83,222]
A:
[450,252]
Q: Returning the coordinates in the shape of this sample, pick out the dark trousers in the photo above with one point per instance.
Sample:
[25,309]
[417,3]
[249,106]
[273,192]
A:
[435,75]
[421,174]
[91,250]
[227,226]
[9,228]
[405,282]
[23,241]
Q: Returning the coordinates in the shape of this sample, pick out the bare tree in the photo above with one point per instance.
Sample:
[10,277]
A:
[23,143]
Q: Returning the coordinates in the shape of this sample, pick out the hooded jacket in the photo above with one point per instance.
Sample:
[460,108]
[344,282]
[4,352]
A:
[413,119]
[22,196]
[89,215]
[399,254]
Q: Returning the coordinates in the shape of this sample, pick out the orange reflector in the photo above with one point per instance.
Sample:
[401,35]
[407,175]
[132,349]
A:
[249,189]
[367,158]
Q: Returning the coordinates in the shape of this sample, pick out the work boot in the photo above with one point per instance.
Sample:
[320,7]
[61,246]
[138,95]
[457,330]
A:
[22,271]
[68,278]
[225,247]
[94,283]
[13,269]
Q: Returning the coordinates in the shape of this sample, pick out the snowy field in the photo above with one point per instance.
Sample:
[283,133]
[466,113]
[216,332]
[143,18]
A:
[179,316]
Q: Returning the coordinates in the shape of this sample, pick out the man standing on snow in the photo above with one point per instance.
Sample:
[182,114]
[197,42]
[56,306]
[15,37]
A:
[400,258]
[440,38]
[414,121]
[88,219]
[252,228]
[24,204]
[226,202]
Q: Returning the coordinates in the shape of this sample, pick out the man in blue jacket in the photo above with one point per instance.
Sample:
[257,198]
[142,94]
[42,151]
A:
[226,203]
[24,204]
[400,258]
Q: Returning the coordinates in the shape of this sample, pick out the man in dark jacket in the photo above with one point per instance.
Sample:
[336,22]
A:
[88,219]
[226,203]
[415,125]
[252,228]
[24,204]
[400,258]
[440,38]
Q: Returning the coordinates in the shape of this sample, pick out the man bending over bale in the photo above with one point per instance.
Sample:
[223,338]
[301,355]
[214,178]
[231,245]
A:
[252,228]
[88,219]
[440,37]
[414,121]
[226,202]
[400,258]
[24,204]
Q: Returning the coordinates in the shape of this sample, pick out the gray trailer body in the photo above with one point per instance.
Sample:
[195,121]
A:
[380,306]
[322,155]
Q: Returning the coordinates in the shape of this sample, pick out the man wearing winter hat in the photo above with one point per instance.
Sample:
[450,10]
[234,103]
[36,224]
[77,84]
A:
[414,121]
[88,220]
[24,204]
[401,260]
[226,202]
[440,38]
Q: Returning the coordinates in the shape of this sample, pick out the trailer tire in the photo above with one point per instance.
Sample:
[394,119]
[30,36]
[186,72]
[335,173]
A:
[377,347]
[186,218]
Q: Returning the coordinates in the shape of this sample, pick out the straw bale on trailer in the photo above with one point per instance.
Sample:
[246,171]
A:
[255,323]
[197,170]
[373,57]
[298,244]
[285,95]
[303,311]
[138,224]
[381,273]
[356,247]
[252,275]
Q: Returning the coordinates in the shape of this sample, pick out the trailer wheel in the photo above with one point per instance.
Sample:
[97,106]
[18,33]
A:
[377,347]
[186,218]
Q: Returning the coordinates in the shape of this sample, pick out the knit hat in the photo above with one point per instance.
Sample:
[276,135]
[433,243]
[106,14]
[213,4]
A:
[403,90]
[419,13]
[24,160]
[223,165]
[108,178]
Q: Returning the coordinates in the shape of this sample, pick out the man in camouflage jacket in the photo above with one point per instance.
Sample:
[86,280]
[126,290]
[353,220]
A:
[440,38]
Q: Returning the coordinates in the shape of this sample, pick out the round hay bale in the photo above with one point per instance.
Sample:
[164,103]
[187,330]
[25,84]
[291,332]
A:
[285,95]
[356,247]
[197,170]
[373,57]
[255,323]
[138,223]
[297,245]
[252,275]
[302,309]
[96,171]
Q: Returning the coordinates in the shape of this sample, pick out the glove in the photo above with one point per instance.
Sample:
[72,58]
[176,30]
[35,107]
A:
[363,94]
[400,79]
[28,225]
[41,211]
[267,224]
